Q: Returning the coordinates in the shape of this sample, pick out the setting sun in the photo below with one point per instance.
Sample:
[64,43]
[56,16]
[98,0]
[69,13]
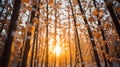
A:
[57,50]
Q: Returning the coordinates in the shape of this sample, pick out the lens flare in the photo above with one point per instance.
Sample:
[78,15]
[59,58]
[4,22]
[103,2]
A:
[57,50]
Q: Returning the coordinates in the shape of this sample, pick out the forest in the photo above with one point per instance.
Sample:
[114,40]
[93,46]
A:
[59,33]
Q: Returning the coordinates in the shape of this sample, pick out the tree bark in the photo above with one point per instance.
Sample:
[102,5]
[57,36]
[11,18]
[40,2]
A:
[27,48]
[69,39]
[12,29]
[33,50]
[33,45]
[104,39]
[114,17]
[46,61]
[76,35]
[27,43]
[90,36]
[55,33]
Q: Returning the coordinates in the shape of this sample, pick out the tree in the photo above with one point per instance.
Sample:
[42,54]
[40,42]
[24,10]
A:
[91,37]
[77,37]
[109,6]
[12,29]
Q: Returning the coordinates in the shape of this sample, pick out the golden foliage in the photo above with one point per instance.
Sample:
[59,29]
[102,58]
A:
[117,10]
[96,34]
[20,22]
[31,28]
[107,25]
[51,3]
[75,1]
[107,56]
[91,19]
[111,59]
[34,2]
[78,24]
[23,29]
[35,20]
[101,12]
[29,8]
[37,12]
[103,42]
[18,42]
[96,12]
[41,5]
[25,1]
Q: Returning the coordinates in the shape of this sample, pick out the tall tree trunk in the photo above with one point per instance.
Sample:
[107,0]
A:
[43,54]
[33,50]
[90,36]
[22,50]
[55,32]
[69,39]
[36,52]
[104,39]
[114,17]
[34,41]
[76,35]
[37,38]
[65,57]
[27,48]
[12,29]
[27,44]
[46,61]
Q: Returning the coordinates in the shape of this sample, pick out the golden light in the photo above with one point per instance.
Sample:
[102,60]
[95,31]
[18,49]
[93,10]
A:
[57,50]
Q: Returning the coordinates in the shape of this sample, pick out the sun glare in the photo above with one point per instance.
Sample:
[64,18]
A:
[57,50]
